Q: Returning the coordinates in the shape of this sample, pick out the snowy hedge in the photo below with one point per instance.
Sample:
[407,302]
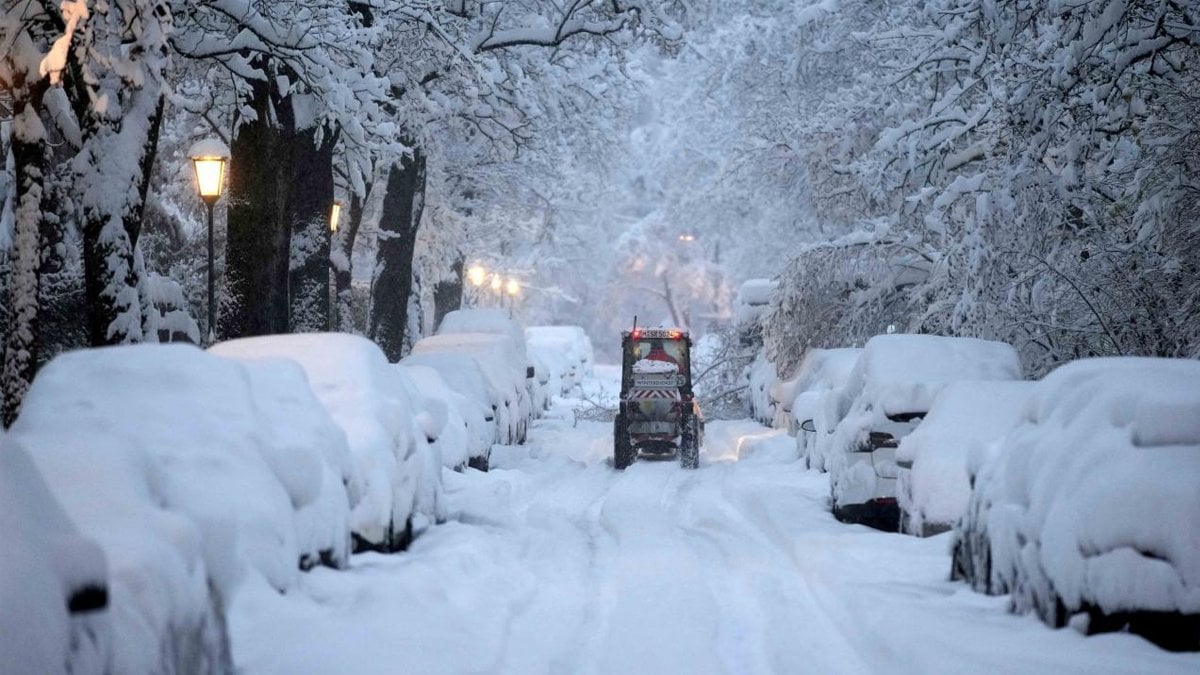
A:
[1086,512]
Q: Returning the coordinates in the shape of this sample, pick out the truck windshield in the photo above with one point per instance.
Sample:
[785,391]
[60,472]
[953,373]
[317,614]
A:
[673,351]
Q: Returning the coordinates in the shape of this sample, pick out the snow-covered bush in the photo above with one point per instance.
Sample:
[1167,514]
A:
[934,490]
[53,581]
[367,399]
[818,398]
[891,387]
[1086,512]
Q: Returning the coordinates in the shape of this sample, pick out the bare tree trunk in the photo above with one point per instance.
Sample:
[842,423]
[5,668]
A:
[21,342]
[393,281]
[259,229]
[309,204]
[448,295]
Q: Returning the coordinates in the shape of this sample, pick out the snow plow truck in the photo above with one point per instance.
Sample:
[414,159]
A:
[658,415]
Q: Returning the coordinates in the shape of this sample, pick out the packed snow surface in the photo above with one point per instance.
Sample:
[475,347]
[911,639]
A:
[554,563]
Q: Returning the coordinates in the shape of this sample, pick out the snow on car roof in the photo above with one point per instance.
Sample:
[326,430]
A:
[904,372]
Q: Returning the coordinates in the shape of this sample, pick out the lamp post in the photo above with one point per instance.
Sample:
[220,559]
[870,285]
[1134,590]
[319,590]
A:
[497,285]
[476,274]
[209,157]
[513,288]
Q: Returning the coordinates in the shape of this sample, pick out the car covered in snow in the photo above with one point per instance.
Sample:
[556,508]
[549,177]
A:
[933,486]
[817,404]
[500,362]
[195,474]
[498,322]
[53,581]
[888,393]
[393,484]
[1087,511]
[484,408]
[563,355]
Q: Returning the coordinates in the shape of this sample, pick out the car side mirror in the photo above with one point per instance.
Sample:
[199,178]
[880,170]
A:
[529,372]
[807,425]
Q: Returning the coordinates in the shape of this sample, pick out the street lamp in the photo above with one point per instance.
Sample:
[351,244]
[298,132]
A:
[477,275]
[335,215]
[513,287]
[209,157]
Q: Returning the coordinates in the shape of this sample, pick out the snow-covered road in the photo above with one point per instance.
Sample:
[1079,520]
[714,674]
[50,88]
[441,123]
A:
[555,563]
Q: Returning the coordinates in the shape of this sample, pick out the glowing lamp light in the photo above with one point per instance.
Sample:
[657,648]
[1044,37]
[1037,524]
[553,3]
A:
[209,156]
[687,237]
[497,282]
[477,275]
[335,215]
[513,287]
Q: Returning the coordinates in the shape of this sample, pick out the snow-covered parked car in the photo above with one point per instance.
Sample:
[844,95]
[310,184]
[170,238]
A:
[890,390]
[452,421]
[504,372]
[178,463]
[392,463]
[498,322]
[933,486]
[568,345]
[53,581]
[1087,511]
[817,405]
[761,376]
[482,407]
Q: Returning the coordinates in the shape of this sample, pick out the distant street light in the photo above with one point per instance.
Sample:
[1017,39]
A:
[335,215]
[687,237]
[209,157]
[513,287]
[477,275]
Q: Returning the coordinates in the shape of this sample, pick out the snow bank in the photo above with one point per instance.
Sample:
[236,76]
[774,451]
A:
[818,397]
[47,567]
[366,398]
[1089,506]
[896,377]
[966,416]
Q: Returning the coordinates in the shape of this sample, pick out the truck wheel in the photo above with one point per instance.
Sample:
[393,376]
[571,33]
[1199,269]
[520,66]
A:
[622,449]
[689,446]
